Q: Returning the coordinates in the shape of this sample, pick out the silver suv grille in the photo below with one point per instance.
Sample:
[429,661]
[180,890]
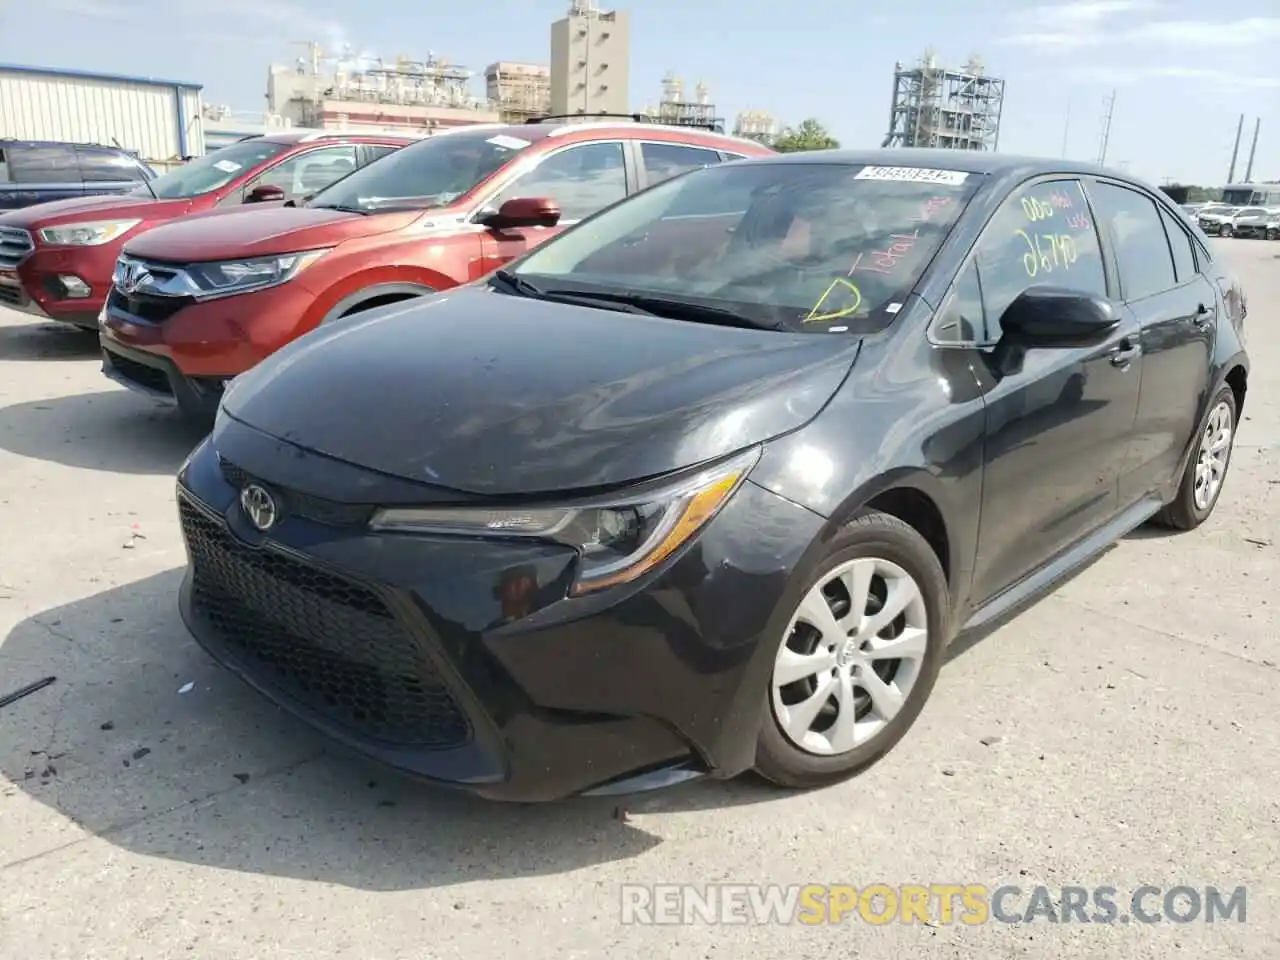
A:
[15,246]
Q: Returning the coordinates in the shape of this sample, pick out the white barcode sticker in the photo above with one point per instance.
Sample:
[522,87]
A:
[951,178]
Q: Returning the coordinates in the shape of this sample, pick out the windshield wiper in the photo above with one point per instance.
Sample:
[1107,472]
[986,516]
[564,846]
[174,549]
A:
[344,208]
[518,284]
[670,308]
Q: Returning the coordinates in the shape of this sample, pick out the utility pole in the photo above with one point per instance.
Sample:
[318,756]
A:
[1253,148]
[1235,151]
[1066,130]
[1105,139]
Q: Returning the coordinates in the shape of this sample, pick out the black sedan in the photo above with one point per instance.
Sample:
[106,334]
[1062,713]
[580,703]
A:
[709,481]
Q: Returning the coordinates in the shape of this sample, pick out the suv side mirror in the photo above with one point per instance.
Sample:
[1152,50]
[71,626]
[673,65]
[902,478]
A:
[1045,316]
[523,212]
[265,193]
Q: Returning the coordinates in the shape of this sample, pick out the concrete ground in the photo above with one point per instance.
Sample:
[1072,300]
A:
[1135,711]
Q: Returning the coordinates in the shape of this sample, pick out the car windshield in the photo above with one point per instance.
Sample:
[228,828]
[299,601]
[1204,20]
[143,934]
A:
[797,246]
[1252,212]
[213,170]
[423,175]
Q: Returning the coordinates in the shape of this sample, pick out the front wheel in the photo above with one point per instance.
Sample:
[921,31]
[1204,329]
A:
[859,657]
[1206,471]
[1224,230]
[1273,233]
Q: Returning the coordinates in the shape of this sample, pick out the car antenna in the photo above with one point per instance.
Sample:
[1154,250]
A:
[147,183]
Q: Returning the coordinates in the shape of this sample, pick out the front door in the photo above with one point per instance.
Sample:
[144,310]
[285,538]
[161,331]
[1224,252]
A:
[581,178]
[1177,309]
[1058,420]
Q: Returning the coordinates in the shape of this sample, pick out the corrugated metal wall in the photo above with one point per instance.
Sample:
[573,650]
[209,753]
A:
[140,117]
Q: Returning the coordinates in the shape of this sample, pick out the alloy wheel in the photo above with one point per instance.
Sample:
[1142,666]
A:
[853,652]
[1215,450]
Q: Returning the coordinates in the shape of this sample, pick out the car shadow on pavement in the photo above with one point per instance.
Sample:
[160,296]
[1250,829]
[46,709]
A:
[112,430]
[147,744]
[47,341]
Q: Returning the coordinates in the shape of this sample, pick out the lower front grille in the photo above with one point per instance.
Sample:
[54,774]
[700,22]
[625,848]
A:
[330,643]
[11,295]
[144,376]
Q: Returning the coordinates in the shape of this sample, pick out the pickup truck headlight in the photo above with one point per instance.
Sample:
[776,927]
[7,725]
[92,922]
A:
[240,276]
[91,233]
[619,538]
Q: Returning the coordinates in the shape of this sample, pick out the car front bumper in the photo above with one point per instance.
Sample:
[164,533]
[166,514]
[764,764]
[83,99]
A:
[463,661]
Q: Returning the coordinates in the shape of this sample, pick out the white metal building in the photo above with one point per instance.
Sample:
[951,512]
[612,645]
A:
[161,120]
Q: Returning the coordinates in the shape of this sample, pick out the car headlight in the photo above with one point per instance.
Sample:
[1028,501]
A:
[88,234]
[619,539]
[236,276]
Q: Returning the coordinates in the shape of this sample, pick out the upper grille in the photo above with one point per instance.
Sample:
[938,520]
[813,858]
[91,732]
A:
[326,641]
[329,512]
[15,246]
[149,309]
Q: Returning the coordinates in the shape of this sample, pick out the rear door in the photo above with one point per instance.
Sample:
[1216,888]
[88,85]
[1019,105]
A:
[581,177]
[43,172]
[1177,309]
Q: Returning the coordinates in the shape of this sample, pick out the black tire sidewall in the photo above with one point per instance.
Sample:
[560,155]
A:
[1188,491]
[883,537]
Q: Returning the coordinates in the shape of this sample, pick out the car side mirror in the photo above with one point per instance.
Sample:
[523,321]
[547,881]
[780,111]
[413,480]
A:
[522,212]
[265,193]
[1056,317]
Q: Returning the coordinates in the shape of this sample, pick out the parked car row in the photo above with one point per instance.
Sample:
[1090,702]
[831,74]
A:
[706,481]
[1221,220]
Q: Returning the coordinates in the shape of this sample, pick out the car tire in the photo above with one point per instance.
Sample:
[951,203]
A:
[1206,471]
[1273,233]
[891,562]
[1225,230]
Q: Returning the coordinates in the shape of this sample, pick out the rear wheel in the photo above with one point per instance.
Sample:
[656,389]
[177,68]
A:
[859,657]
[1273,233]
[1225,230]
[1206,471]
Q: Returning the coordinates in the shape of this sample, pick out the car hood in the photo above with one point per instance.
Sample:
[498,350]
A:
[96,208]
[260,231]
[491,394]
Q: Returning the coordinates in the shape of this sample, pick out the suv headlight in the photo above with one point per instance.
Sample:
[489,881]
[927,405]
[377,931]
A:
[239,276]
[88,234]
[618,539]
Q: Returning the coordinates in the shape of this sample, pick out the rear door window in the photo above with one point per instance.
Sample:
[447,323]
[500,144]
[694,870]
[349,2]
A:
[107,166]
[55,163]
[662,161]
[1142,247]
[374,151]
[1184,258]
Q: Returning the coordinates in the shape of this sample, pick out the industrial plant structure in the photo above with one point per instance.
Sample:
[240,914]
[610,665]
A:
[949,109]
[359,93]
[758,125]
[591,61]
[519,90]
[676,109]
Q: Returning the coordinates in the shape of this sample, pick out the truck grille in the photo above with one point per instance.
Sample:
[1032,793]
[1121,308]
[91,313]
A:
[329,643]
[15,246]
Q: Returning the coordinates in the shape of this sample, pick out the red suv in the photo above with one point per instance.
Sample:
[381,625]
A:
[196,303]
[56,258]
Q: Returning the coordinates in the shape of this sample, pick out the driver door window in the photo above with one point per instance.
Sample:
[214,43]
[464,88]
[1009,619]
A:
[1043,234]
[307,173]
[581,179]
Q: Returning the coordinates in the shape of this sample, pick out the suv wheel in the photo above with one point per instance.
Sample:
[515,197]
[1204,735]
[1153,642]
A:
[1224,230]
[1207,469]
[1273,233]
[859,657]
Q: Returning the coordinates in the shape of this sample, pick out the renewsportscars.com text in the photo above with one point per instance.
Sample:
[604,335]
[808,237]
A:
[934,904]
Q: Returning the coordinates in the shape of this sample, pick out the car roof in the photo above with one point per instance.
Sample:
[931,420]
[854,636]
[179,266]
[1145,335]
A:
[314,136]
[20,142]
[982,163]
[565,131]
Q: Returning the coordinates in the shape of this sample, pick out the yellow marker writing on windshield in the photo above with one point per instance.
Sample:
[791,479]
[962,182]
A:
[825,308]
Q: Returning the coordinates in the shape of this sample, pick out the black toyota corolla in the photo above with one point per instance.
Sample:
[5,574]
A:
[709,481]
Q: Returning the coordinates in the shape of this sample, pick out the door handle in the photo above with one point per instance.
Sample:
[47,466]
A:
[1124,354]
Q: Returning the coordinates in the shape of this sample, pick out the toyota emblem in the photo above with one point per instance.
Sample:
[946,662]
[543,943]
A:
[259,506]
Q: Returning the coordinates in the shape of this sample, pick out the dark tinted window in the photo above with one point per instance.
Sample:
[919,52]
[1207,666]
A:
[1146,263]
[664,160]
[1043,234]
[582,179]
[961,319]
[97,166]
[53,164]
[1184,259]
[818,248]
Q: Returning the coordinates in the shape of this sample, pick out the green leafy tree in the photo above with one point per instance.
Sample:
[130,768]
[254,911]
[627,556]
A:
[809,135]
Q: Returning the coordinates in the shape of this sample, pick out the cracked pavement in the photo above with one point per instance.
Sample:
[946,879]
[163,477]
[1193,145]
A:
[1121,731]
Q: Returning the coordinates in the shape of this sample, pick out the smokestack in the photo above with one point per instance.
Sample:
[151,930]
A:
[1253,148]
[1235,151]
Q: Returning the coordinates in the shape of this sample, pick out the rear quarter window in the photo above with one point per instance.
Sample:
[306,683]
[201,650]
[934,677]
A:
[54,163]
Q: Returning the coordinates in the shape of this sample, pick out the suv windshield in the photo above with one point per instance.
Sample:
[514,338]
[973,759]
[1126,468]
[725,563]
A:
[213,170]
[797,246]
[432,173]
